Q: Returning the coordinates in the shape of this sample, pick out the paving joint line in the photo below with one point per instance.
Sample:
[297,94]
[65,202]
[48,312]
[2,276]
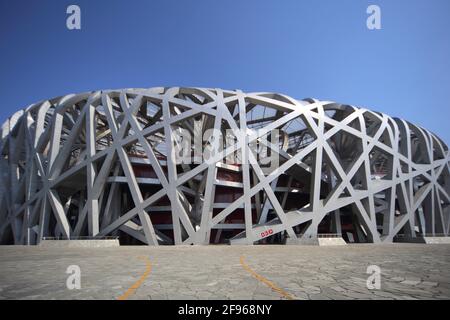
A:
[267,282]
[131,290]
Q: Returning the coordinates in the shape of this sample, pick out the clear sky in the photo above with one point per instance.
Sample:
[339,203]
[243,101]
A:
[315,48]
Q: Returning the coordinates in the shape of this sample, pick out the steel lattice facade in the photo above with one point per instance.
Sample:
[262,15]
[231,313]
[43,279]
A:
[103,164]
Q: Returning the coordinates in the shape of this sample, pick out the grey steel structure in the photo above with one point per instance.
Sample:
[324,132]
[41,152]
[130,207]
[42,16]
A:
[102,163]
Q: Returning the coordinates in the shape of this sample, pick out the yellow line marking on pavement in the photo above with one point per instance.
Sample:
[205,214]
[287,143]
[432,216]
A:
[266,281]
[138,283]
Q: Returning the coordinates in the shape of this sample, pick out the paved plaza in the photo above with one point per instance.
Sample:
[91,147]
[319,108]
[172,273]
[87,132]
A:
[408,271]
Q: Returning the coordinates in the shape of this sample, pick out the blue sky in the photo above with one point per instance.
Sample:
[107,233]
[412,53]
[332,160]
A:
[316,48]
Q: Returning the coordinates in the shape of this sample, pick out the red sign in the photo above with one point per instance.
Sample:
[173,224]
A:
[266,233]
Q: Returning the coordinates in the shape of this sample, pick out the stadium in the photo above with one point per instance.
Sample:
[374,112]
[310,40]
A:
[256,168]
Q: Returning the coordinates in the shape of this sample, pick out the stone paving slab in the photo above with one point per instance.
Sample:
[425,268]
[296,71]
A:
[408,271]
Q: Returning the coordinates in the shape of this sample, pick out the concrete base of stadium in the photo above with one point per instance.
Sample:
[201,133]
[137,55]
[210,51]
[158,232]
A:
[437,240]
[321,241]
[92,243]
[332,242]
[424,240]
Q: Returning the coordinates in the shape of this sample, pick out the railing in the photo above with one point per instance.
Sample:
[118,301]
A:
[329,235]
[421,235]
[81,238]
[321,235]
